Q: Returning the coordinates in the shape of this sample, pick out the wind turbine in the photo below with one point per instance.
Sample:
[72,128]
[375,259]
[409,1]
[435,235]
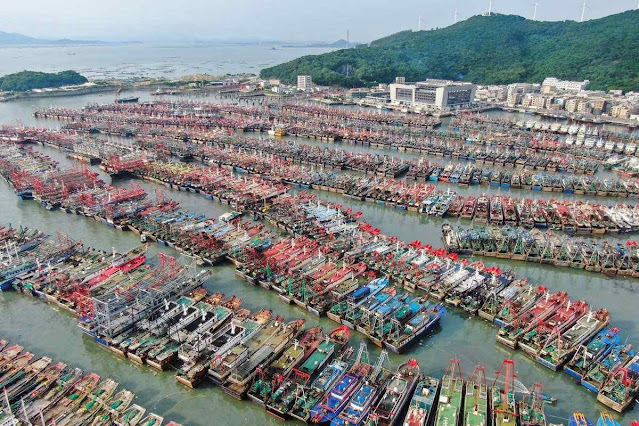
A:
[583,10]
[455,16]
[419,23]
[535,11]
[490,7]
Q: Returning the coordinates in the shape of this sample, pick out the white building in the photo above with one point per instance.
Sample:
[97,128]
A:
[304,82]
[575,86]
[516,92]
[441,94]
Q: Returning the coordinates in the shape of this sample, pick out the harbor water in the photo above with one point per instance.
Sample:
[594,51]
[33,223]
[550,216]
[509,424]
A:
[45,330]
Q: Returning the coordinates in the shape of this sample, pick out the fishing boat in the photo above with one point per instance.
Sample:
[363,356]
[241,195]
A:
[96,402]
[559,348]
[131,417]
[262,349]
[597,375]
[589,354]
[13,370]
[497,299]
[114,408]
[356,298]
[23,372]
[398,391]
[73,398]
[268,379]
[422,407]
[531,409]
[327,378]
[552,327]
[40,384]
[151,419]
[232,354]
[619,390]
[356,310]
[510,334]
[449,404]
[407,329]
[606,419]
[55,392]
[476,399]
[579,419]
[8,354]
[502,403]
[284,395]
[338,397]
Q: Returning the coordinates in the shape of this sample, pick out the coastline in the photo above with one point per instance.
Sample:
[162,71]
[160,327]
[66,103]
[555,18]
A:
[60,93]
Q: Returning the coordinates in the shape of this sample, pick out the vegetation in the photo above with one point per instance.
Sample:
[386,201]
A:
[27,80]
[497,49]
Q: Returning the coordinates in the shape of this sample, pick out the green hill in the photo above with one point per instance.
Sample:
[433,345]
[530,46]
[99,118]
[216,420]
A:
[27,80]
[497,49]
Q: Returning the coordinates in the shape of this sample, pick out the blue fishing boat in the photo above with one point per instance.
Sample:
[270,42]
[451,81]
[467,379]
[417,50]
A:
[13,271]
[595,378]
[416,326]
[391,306]
[333,403]
[428,203]
[374,299]
[327,378]
[358,408]
[579,419]
[606,419]
[355,299]
[591,353]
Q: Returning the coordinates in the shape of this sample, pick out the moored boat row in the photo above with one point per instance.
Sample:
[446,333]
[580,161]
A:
[41,391]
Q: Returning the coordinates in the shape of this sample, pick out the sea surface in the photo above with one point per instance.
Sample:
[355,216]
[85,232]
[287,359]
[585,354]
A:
[126,60]
[45,330]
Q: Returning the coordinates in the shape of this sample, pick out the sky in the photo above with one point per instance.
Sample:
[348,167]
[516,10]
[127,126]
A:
[285,20]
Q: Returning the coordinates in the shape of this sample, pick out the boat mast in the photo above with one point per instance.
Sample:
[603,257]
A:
[507,370]
[454,372]
[478,379]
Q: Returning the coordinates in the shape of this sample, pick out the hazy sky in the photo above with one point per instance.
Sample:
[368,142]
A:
[300,20]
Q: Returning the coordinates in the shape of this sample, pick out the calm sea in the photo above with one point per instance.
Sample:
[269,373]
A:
[149,59]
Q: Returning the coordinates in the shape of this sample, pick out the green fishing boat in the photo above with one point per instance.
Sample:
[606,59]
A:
[503,404]
[531,410]
[451,396]
[476,399]
[132,416]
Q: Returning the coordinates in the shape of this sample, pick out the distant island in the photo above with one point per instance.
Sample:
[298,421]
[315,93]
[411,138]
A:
[496,49]
[15,39]
[339,44]
[28,80]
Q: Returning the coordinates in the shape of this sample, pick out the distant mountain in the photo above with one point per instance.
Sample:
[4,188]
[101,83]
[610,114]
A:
[497,49]
[339,44]
[22,40]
